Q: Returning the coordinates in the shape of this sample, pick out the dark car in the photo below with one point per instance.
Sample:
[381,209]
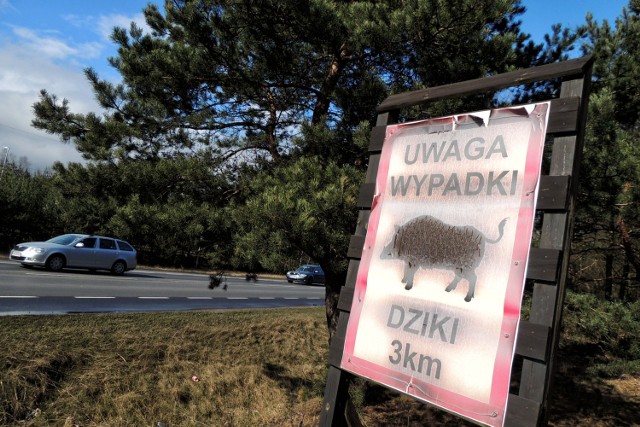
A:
[306,274]
[77,251]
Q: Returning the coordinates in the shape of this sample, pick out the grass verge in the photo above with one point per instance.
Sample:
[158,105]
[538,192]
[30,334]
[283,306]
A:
[253,368]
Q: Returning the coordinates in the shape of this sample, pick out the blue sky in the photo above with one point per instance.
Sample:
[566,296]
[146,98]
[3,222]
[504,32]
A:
[45,44]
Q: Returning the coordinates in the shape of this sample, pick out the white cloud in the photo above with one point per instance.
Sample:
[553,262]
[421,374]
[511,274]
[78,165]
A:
[5,4]
[55,48]
[103,25]
[106,24]
[34,58]
[22,75]
[49,46]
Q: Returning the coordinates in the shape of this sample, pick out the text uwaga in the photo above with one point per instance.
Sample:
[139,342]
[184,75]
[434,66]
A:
[500,182]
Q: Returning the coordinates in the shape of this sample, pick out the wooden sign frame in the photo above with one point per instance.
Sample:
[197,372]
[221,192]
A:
[538,336]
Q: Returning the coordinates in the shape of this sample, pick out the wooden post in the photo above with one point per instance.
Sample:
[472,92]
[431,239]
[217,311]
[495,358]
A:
[336,397]
[557,231]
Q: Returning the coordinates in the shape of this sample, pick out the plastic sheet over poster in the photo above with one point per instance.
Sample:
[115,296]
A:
[439,288]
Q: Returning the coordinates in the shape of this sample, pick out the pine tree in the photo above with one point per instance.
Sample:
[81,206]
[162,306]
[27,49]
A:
[607,226]
[274,89]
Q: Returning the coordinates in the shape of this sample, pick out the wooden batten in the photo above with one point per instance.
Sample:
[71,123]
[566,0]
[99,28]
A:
[575,67]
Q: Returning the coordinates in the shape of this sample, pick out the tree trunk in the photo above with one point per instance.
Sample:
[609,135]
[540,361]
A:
[627,245]
[608,280]
[272,125]
[631,256]
[626,280]
[329,84]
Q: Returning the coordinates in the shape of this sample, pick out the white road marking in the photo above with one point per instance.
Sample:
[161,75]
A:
[95,277]
[168,273]
[44,274]
[18,296]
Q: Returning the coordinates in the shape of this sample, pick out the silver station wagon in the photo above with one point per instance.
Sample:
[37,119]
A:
[77,251]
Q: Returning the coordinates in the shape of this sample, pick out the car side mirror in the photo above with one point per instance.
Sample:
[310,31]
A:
[79,245]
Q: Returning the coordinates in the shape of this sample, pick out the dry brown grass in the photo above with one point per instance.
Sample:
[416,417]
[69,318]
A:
[136,369]
[255,368]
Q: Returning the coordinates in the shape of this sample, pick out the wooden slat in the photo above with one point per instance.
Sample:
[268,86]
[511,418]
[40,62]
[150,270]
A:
[372,168]
[486,84]
[563,118]
[355,247]
[543,264]
[346,299]
[363,222]
[533,379]
[553,194]
[563,115]
[553,221]
[352,274]
[533,341]
[336,394]
[376,139]
[521,412]
[337,341]
[346,292]
[365,197]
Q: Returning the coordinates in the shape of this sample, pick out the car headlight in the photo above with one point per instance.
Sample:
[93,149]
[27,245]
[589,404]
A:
[34,251]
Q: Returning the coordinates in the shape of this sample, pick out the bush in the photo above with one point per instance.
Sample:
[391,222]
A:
[611,326]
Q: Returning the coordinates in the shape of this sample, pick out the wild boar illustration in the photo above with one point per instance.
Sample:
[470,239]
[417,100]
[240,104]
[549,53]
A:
[429,243]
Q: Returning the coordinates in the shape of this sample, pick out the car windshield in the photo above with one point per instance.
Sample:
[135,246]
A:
[65,239]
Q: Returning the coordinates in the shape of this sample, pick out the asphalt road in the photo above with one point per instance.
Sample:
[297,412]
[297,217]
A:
[37,291]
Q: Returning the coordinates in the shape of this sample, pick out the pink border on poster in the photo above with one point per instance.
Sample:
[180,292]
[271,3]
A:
[491,413]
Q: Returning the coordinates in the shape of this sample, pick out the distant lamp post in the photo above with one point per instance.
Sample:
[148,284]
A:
[4,162]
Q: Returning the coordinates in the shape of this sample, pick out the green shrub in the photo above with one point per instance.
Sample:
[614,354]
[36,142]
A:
[611,326]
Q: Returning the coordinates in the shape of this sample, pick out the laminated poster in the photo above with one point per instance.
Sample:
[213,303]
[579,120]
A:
[439,288]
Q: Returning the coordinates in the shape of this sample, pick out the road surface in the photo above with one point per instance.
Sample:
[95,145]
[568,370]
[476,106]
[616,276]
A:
[37,291]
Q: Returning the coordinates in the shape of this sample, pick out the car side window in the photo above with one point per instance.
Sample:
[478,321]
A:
[88,242]
[107,244]
[124,246]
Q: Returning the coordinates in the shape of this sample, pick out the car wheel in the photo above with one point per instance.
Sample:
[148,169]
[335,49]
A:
[290,280]
[55,263]
[118,268]
[309,281]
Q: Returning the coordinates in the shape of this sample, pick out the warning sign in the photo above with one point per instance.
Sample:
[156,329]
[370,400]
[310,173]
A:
[438,292]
